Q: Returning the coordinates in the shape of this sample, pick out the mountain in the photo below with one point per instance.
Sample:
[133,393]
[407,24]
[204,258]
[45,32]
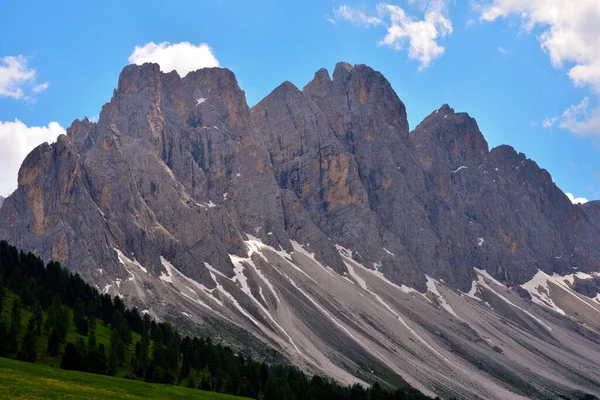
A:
[1,201]
[318,225]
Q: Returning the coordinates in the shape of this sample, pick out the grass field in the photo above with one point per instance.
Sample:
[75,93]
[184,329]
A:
[20,380]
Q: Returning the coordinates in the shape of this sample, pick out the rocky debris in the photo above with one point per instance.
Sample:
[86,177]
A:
[179,174]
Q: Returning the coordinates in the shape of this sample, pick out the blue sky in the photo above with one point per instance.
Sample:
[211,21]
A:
[527,70]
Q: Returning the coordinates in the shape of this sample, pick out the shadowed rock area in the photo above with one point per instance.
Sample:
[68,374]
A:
[319,225]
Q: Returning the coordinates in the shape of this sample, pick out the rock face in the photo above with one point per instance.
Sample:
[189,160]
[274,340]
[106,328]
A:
[1,201]
[317,224]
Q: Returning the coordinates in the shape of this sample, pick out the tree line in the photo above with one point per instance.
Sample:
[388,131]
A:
[59,301]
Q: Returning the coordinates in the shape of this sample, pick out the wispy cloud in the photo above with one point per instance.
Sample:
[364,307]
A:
[503,51]
[549,122]
[581,119]
[356,16]
[405,32]
[17,80]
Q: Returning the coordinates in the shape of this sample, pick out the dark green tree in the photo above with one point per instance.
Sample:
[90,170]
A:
[79,319]
[27,351]
[53,346]
[95,360]
[15,326]
[92,339]
[38,318]
[142,356]
[118,330]
[71,359]
[376,392]
[80,346]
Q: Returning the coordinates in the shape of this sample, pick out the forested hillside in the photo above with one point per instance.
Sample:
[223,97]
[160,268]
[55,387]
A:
[51,316]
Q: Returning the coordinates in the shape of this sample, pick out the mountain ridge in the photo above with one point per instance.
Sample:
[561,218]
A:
[267,217]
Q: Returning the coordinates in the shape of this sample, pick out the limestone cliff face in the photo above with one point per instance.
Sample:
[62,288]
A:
[181,167]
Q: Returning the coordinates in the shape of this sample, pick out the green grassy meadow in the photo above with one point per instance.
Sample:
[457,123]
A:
[21,380]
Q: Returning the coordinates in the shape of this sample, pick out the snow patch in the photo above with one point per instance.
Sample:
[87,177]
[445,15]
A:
[200,101]
[473,292]
[389,252]
[123,259]
[480,241]
[540,290]
[484,274]
[346,253]
[433,289]
[166,277]
[458,169]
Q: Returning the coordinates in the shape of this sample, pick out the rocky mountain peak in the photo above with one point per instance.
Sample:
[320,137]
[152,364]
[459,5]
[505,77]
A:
[451,138]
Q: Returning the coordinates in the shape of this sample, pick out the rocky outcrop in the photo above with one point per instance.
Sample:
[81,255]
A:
[1,201]
[181,197]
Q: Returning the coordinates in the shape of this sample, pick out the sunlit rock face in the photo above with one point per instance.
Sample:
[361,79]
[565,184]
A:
[316,224]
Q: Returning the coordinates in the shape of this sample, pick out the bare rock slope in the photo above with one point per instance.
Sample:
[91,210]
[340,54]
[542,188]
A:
[318,225]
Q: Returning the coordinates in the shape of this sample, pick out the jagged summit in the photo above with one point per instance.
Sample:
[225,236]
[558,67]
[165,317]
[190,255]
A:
[317,224]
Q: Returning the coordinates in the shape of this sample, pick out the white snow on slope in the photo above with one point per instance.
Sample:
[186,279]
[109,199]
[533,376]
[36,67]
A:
[346,253]
[123,258]
[540,290]
[433,289]
[166,277]
[483,274]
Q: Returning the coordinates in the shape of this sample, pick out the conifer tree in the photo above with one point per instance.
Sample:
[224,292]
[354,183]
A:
[79,320]
[37,316]
[27,351]
[71,359]
[118,330]
[15,326]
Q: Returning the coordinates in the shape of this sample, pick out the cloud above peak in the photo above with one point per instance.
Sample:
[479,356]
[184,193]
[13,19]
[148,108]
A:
[570,35]
[404,31]
[576,200]
[570,32]
[182,57]
[17,80]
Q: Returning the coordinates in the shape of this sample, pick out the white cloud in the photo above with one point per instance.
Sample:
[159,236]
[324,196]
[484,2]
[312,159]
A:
[356,16]
[40,88]
[16,78]
[581,119]
[548,122]
[420,37]
[576,200]
[16,141]
[570,34]
[183,57]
